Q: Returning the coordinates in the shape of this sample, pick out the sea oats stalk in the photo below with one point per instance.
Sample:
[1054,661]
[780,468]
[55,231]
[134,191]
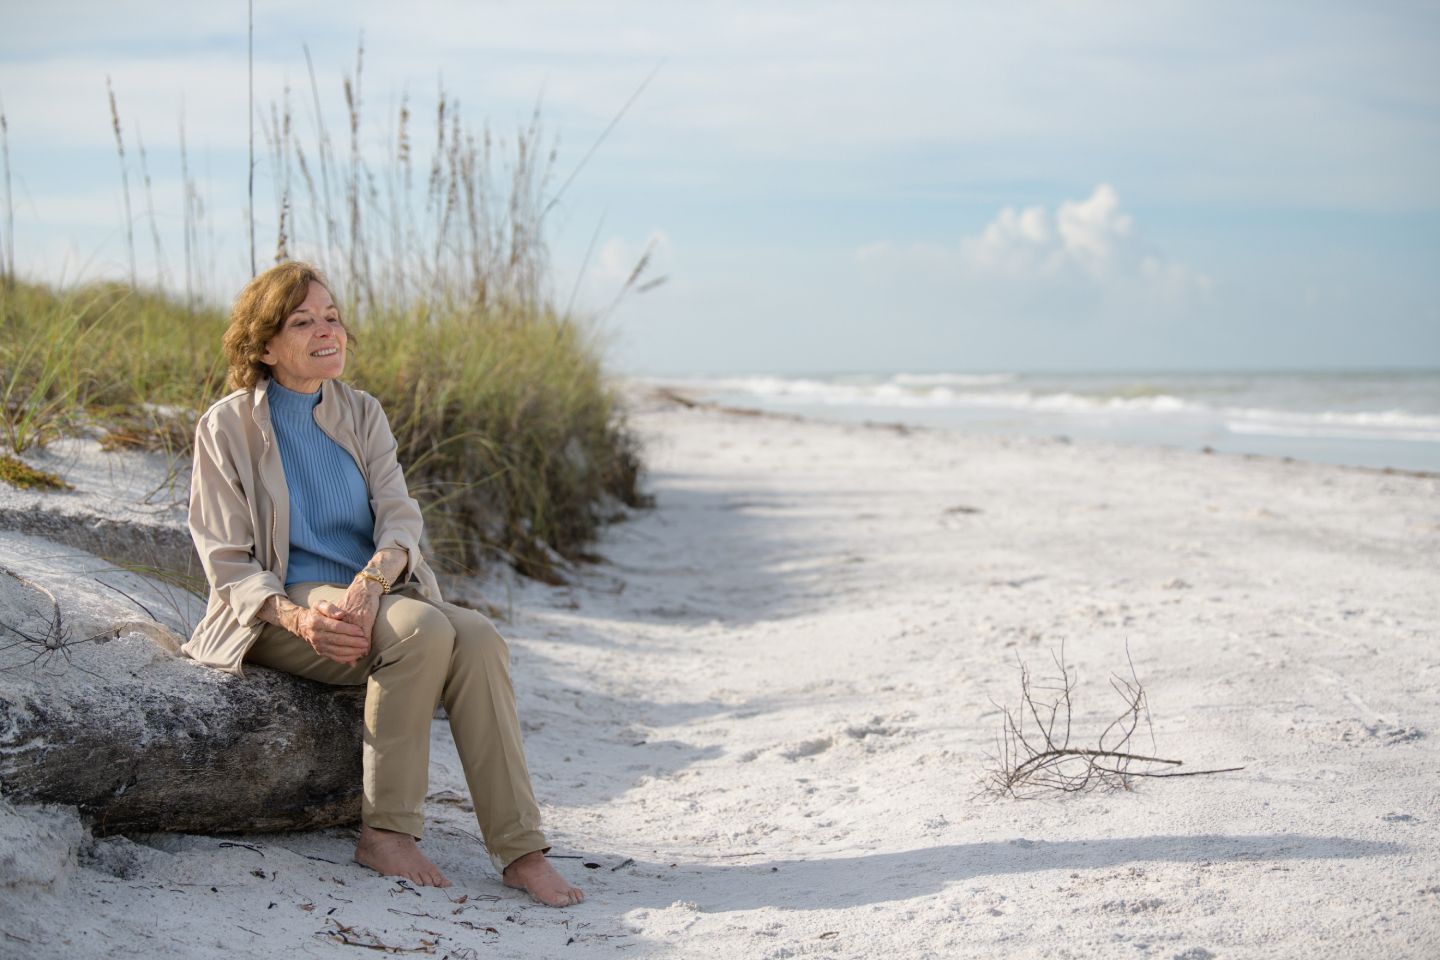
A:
[150,210]
[7,255]
[124,182]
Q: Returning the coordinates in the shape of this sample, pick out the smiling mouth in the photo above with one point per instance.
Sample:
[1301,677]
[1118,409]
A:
[327,352]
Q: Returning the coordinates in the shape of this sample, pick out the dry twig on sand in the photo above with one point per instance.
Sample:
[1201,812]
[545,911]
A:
[57,637]
[1034,752]
[356,937]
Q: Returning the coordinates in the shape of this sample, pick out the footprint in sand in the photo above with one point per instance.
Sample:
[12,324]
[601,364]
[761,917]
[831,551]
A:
[1356,732]
[875,727]
[877,733]
[808,748]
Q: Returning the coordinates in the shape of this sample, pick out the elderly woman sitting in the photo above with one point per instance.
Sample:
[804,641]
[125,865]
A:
[311,543]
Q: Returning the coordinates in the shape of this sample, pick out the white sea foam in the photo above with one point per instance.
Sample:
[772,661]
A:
[907,390]
[1135,401]
[1382,419]
[1364,425]
[953,379]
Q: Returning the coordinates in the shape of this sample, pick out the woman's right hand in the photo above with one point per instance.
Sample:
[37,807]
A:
[329,635]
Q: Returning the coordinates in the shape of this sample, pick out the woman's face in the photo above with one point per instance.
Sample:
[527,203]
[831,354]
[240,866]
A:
[310,346]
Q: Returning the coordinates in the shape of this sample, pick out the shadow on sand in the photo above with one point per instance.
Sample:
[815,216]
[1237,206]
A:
[840,882]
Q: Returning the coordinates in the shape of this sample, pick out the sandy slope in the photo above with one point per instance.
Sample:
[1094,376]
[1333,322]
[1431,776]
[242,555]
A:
[765,716]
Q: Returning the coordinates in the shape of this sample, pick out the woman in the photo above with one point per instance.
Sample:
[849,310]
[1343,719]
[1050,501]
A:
[311,543]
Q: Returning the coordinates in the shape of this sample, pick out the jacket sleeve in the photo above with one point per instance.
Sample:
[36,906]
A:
[220,525]
[398,521]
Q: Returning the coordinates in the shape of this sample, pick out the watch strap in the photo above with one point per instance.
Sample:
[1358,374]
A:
[370,573]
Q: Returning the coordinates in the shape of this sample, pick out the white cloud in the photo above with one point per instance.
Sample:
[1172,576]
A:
[1087,237]
[1093,230]
[1088,246]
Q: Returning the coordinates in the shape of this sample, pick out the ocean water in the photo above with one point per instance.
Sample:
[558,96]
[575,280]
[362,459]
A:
[1369,419]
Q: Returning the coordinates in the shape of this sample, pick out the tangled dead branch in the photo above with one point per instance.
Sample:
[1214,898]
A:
[356,937]
[56,638]
[1034,748]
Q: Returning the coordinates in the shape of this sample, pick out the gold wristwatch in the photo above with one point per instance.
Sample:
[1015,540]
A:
[373,573]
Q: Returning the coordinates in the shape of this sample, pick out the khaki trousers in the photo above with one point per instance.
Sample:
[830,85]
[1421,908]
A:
[423,653]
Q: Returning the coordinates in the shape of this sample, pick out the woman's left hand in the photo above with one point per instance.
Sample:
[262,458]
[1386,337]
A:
[362,604]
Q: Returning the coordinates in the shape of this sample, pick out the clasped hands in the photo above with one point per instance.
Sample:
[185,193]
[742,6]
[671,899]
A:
[341,632]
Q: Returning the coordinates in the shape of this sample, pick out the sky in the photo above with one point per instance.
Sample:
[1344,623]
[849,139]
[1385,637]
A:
[824,187]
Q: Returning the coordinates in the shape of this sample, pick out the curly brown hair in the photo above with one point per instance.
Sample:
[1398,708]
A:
[259,311]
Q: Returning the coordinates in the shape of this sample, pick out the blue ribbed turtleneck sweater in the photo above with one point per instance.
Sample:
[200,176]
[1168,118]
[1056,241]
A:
[332,528]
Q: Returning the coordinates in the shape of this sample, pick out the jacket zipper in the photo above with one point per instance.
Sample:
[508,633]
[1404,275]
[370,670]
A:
[274,510]
[365,473]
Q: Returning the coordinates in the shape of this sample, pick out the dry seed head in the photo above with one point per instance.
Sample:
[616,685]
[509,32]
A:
[639,269]
[281,253]
[403,151]
[115,118]
[304,167]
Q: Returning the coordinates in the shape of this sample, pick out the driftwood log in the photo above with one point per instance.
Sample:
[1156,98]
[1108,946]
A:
[98,711]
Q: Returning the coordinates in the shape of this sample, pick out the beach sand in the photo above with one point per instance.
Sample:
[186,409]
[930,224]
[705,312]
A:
[759,727]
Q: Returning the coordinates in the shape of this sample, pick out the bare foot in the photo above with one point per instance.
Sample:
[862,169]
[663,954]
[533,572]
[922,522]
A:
[396,855]
[533,874]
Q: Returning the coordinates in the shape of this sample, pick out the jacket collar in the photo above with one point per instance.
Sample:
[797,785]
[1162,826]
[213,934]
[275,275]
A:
[327,411]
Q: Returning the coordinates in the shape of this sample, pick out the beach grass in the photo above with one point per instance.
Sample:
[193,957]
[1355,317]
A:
[514,441]
[508,428]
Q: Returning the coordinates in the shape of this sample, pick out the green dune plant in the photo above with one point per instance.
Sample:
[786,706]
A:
[514,441]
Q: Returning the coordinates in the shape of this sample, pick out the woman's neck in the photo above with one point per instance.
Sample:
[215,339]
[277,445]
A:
[296,386]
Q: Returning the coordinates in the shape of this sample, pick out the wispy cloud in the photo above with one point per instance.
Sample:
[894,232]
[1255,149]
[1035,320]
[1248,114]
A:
[1032,253]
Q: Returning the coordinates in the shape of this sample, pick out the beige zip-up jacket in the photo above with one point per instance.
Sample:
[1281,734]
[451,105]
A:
[240,509]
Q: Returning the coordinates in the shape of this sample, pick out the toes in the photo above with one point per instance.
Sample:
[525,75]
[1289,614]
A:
[565,898]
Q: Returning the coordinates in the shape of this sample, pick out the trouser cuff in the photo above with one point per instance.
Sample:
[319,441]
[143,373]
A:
[411,823]
[507,851]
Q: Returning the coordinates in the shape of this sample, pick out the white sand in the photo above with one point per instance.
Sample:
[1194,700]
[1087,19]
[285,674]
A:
[765,716]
